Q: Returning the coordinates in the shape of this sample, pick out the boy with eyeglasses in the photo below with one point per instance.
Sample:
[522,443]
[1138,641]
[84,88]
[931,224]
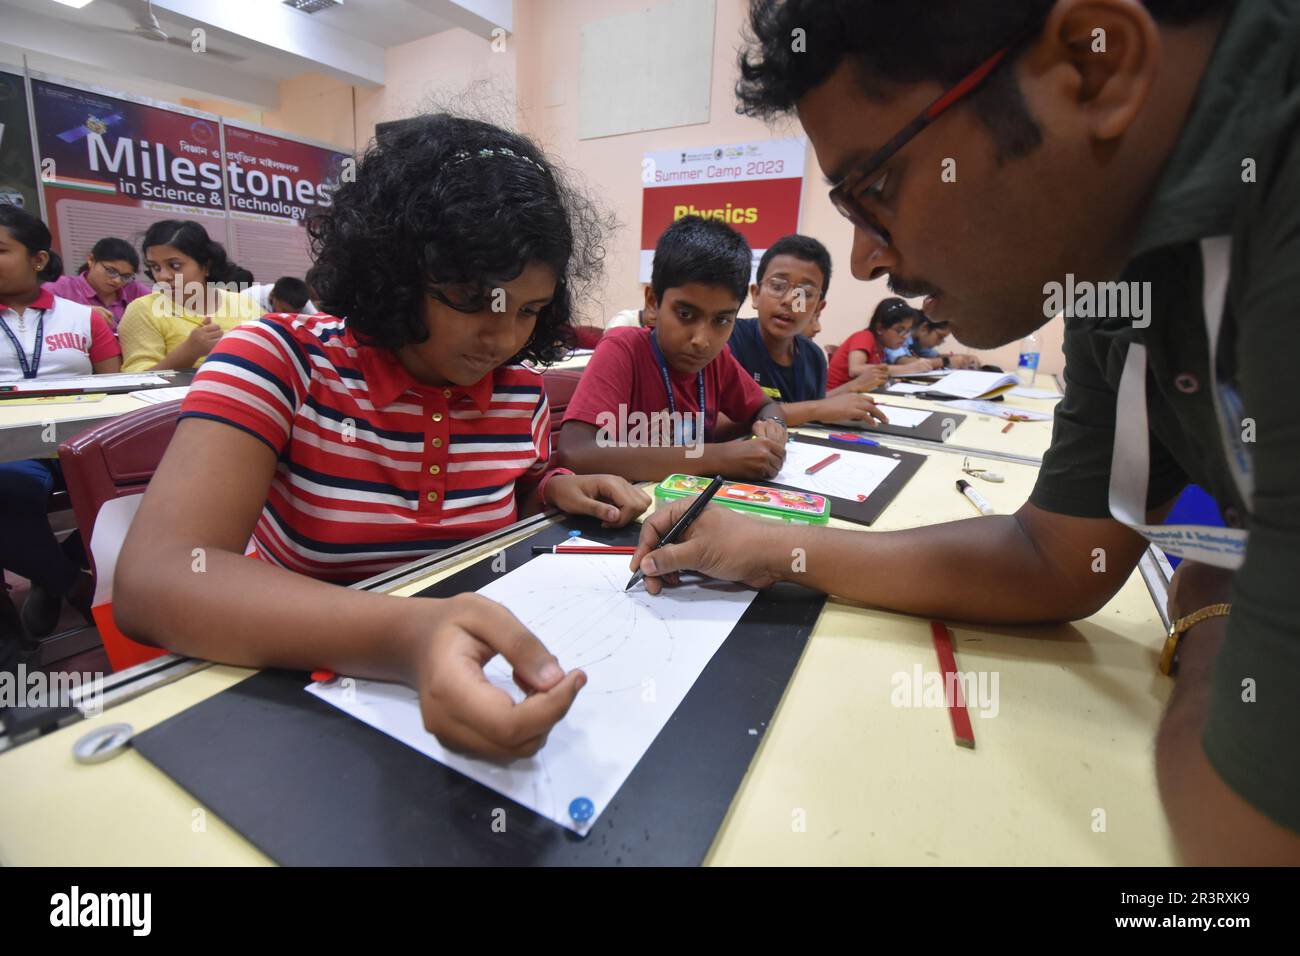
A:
[793,277]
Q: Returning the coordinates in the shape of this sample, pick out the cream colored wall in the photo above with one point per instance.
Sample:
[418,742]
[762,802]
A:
[433,70]
[547,37]
[317,107]
[535,81]
[311,105]
[444,70]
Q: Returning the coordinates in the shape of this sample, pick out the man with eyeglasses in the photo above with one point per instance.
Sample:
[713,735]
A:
[1130,152]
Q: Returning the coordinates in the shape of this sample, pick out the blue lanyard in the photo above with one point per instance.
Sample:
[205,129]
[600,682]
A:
[668,385]
[29,370]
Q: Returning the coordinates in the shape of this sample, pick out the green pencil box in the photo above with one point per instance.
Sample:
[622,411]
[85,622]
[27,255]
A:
[797,507]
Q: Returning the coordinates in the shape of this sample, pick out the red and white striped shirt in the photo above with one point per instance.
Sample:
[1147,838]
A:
[375,469]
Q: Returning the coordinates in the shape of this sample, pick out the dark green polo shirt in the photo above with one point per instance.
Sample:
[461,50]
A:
[1247,107]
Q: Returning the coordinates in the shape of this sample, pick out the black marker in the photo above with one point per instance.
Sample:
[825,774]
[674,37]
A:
[684,522]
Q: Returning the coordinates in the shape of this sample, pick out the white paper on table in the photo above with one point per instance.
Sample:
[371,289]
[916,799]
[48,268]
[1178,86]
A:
[931,374]
[999,410]
[904,417]
[156,396]
[89,382]
[854,476]
[965,383]
[641,654]
[1044,393]
[907,388]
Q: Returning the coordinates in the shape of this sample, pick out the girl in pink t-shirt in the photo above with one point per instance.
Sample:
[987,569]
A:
[107,280]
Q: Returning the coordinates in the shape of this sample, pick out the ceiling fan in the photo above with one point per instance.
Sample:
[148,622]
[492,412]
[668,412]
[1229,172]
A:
[147,27]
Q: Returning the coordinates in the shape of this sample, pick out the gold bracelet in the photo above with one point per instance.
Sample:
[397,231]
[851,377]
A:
[1168,656]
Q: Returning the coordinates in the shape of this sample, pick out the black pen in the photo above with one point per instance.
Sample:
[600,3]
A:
[684,522]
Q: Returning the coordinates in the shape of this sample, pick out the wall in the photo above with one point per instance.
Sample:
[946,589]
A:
[444,70]
[533,82]
[547,37]
[434,70]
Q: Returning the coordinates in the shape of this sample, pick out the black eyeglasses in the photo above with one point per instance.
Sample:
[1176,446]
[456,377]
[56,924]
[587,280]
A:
[114,274]
[848,193]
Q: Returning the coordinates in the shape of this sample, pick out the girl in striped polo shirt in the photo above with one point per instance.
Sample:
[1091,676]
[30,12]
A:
[397,422]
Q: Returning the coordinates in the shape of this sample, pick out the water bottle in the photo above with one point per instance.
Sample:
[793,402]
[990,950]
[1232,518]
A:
[1029,353]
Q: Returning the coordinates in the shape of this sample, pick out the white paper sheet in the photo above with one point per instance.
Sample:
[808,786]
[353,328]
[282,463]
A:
[934,373]
[854,476]
[641,655]
[907,388]
[965,383]
[904,417]
[156,396]
[88,382]
[999,410]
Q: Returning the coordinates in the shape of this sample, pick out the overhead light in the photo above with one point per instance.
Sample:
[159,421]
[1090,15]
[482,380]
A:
[312,6]
[75,4]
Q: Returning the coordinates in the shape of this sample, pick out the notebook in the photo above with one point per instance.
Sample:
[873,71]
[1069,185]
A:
[970,384]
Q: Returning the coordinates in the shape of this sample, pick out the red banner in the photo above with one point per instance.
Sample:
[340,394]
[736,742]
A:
[275,185]
[753,187]
[112,167]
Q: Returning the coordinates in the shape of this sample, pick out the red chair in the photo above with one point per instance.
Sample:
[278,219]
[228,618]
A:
[110,461]
[560,384]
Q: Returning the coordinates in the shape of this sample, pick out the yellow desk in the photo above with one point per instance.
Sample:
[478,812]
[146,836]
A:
[36,431]
[984,433]
[842,775]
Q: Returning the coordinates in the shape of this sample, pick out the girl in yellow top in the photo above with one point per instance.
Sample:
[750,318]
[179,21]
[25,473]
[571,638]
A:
[178,325]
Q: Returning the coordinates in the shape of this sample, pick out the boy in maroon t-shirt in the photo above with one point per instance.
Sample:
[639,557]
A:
[658,401]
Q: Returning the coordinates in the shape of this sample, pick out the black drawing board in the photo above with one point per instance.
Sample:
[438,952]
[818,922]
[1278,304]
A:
[864,512]
[311,786]
[937,428]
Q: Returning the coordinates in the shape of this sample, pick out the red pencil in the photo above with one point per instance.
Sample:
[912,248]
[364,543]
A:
[1008,425]
[822,464]
[962,731]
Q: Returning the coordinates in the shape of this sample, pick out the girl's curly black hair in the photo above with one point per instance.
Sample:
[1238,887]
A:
[449,206]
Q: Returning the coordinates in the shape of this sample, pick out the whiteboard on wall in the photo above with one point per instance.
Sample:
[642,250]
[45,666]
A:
[646,70]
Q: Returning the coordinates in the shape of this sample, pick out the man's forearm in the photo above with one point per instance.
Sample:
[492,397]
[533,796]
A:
[1212,824]
[979,569]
